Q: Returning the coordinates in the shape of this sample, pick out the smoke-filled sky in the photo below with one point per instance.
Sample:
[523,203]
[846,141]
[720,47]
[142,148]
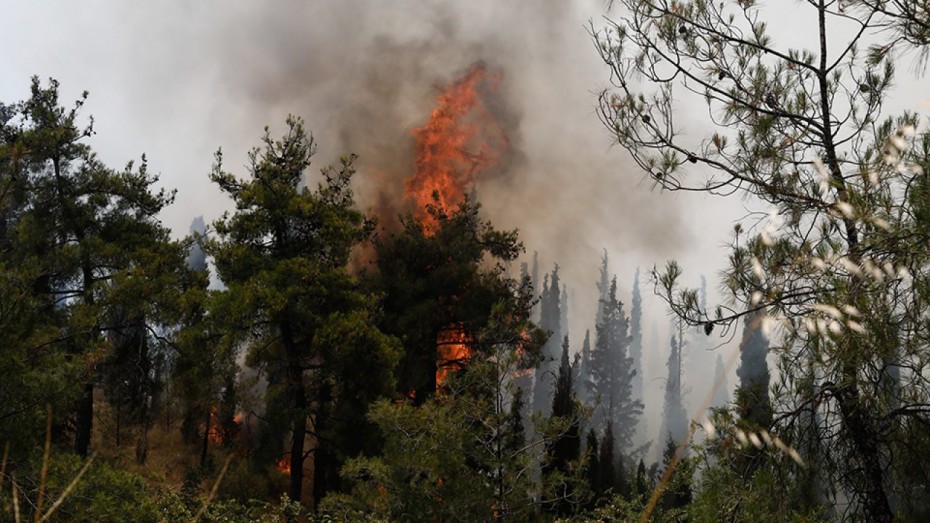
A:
[178,79]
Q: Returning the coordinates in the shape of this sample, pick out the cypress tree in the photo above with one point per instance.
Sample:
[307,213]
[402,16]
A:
[722,393]
[593,469]
[584,384]
[675,421]
[612,372]
[636,340]
[752,394]
[549,322]
[566,448]
[608,471]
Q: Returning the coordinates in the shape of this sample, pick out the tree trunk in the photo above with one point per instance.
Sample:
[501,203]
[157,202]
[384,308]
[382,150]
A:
[864,437]
[321,471]
[85,421]
[205,442]
[856,419]
[298,399]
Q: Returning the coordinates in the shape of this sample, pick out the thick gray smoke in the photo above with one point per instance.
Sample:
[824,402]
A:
[179,79]
[364,74]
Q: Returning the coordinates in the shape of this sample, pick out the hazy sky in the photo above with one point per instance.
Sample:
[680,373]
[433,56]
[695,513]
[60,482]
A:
[178,79]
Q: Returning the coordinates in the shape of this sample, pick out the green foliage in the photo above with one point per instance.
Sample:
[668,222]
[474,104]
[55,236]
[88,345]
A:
[431,279]
[103,494]
[837,269]
[455,457]
[567,490]
[172,507]
[283,255]
[84,259]
[547,372]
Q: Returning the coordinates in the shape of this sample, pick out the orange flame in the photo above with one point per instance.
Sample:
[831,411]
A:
[454,347]
[216,432]
[461,141]
[284,464]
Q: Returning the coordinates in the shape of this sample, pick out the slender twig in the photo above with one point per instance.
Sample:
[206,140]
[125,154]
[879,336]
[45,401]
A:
[45,458]
[68,489]
[6,456]
[216,486]
[16,501]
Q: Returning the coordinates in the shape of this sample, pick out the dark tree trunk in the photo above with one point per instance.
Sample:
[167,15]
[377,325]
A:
[85,421]
[298,399]
[857,420]
[864,435]
[205,442]
[322,469]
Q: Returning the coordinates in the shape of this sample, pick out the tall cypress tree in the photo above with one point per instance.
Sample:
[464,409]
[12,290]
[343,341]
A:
[675,420]
[752,394]
[566,448]
[546,372]
[722,393]
[603,288]
[612,372]
[608,479]
[584,384]
[636,339]
[593,468]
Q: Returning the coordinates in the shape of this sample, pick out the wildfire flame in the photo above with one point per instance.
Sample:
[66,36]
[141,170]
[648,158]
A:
[216,435]
[284,464]
[453,345]
[461,140]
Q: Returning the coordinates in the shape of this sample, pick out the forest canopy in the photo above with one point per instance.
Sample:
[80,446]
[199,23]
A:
[304,358]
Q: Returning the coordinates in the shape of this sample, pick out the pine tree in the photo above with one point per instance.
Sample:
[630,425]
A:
[103,268]
[283,255]
[430,280]
[803,131]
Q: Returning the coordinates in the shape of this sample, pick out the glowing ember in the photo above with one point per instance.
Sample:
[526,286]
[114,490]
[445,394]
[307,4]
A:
[284,464]
[461,140]
[453,345]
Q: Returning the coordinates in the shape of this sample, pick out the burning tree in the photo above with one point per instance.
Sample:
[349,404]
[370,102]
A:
[283,255]
[839,267]
[441,274]
[439,291]
[461,456]
[461,141]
